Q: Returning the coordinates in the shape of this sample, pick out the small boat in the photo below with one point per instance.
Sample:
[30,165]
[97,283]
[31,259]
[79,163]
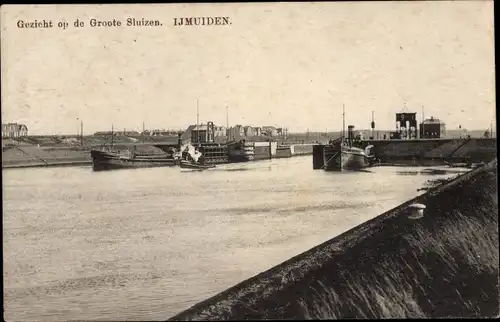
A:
[195,166]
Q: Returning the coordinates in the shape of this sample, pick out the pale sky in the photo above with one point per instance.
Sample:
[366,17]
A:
[285,64]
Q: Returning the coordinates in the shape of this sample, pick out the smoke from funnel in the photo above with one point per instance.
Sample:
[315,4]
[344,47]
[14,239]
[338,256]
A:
[192,152]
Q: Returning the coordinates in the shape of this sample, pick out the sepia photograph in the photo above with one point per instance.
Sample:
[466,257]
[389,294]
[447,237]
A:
[249,161]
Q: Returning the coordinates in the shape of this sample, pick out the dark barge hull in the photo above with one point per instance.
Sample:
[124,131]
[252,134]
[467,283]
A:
[102,161]
[240,151]
[189,165]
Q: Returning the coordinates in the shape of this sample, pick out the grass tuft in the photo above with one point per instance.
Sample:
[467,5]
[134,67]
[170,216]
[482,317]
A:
[451,270]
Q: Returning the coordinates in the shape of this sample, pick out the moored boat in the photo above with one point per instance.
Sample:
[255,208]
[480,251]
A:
[344,154]
[193,159]
[109,160]
[340,156]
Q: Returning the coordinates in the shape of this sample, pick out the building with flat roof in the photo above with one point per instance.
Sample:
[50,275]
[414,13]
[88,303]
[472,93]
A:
[14,130]
[432,128]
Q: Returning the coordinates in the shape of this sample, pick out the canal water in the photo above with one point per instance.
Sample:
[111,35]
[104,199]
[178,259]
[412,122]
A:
[146,244]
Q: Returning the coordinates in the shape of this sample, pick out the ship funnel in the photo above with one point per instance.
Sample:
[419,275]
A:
[350,132]
[179,140]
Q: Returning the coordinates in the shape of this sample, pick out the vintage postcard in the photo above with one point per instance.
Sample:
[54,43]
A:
[233,161]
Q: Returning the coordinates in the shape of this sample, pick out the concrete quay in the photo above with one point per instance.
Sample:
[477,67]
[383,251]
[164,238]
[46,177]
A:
[424,150]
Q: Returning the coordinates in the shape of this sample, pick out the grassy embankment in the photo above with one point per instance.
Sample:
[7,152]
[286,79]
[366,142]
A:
[456,275]
[442,265]
[446,267]
[55,151]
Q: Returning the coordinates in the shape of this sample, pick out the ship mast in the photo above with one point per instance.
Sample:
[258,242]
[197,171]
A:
[227,123]
[197,121]
[81,132]
[112,136]
[422,126]
[372,125]
[343,121]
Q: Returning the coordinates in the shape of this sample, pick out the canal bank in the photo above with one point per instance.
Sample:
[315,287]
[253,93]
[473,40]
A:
[444,264]
[51,164]
[34,157]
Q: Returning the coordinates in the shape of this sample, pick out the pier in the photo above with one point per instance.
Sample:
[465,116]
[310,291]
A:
[434,266]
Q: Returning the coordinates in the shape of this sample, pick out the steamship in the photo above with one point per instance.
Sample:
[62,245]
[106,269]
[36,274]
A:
[346,154]
[203,139]
[340,154]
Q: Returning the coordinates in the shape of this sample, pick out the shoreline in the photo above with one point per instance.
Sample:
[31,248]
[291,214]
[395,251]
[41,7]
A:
[22,165]
[47,165]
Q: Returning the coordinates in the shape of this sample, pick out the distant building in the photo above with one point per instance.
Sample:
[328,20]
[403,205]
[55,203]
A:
[236,132]
[14,130]
[269,131]
[432,129]
[220,131]
[249,131]
[281,131]
[199,134]
[202,133]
